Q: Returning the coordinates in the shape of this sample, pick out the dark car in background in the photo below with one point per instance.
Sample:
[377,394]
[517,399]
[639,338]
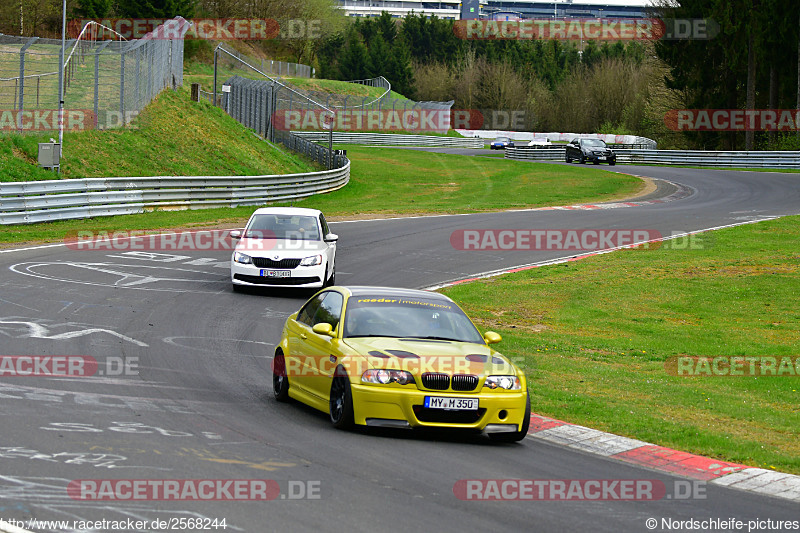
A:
[593,150]
[501,143]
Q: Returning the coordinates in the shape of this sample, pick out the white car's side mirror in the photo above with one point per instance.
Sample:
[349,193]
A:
[236,234]
[331,237]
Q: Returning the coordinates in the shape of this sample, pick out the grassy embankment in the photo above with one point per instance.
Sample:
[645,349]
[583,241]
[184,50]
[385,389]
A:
[594,336]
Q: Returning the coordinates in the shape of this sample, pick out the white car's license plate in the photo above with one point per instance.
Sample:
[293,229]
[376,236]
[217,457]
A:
[276,273]
[456,404]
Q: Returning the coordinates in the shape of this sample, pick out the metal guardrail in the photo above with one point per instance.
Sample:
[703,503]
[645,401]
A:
[696,158]
[550,153]
[392,139]
[561,137]
[703,158]
[43,201]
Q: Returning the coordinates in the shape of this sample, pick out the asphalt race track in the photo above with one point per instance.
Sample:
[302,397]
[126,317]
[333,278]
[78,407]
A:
[201,406]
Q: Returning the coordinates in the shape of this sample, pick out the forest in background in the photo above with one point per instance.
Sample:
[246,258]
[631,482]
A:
[610,87]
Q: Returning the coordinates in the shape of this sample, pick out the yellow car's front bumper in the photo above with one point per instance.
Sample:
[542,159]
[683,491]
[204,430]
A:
[392,406]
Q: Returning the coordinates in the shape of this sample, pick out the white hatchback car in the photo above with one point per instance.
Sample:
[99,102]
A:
[284,246]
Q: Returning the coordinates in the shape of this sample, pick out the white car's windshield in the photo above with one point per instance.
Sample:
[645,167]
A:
[288,227]
[381,316]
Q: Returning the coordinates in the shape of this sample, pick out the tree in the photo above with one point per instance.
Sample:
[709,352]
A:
[399,71]
[379,56]
[387,26]
[354,61]
[740,67]
[93,9]
[155,9]
[40,18]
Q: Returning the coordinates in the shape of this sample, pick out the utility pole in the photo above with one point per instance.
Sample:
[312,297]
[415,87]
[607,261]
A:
[61,81]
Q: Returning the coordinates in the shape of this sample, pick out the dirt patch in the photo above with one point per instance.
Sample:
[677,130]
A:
[19,154]
[490,323]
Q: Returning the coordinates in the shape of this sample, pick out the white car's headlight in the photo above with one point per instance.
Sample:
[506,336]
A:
[383,376]
[311,261]
[244,259]
[503,382]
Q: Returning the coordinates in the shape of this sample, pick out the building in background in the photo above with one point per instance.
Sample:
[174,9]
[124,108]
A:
[499,9]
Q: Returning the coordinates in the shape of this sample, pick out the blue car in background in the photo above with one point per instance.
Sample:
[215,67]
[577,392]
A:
[501,143]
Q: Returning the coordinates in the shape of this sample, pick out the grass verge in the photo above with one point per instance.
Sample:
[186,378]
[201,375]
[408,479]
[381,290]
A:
[399,181]
[391,181]
[594,336]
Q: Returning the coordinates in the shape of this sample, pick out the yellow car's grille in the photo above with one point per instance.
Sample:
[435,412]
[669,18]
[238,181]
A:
[435,381]
[440,381]
[464,382]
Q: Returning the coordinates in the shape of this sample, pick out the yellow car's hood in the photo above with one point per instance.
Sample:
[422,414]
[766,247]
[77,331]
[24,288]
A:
[419,356]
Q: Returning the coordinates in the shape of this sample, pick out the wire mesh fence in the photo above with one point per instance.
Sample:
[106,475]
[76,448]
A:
[304,104]
[257,104]
[235,62]
[106,83]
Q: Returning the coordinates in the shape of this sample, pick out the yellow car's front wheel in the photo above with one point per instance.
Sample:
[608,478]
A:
[341,401]
[280,381]
[516,435]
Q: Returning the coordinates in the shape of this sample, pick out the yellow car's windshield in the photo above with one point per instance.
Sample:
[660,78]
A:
[380,316]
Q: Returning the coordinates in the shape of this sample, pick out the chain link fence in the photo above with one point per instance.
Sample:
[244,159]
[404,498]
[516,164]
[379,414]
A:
[257,104]
[234,62]
[106,83]
[349,103]
[308,101]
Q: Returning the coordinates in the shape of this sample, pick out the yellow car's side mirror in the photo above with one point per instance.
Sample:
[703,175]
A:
[492,338]
[323,328]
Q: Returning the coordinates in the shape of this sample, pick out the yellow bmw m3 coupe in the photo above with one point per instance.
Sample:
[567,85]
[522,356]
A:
[400,358]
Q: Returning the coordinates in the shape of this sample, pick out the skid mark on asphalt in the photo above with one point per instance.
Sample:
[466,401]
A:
[26,394]
[218,456]
[30,329]
[212,345]
[124,276]
[97,460]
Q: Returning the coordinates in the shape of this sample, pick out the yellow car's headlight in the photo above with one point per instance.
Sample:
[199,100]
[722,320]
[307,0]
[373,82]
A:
[503,382]
[383,377]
